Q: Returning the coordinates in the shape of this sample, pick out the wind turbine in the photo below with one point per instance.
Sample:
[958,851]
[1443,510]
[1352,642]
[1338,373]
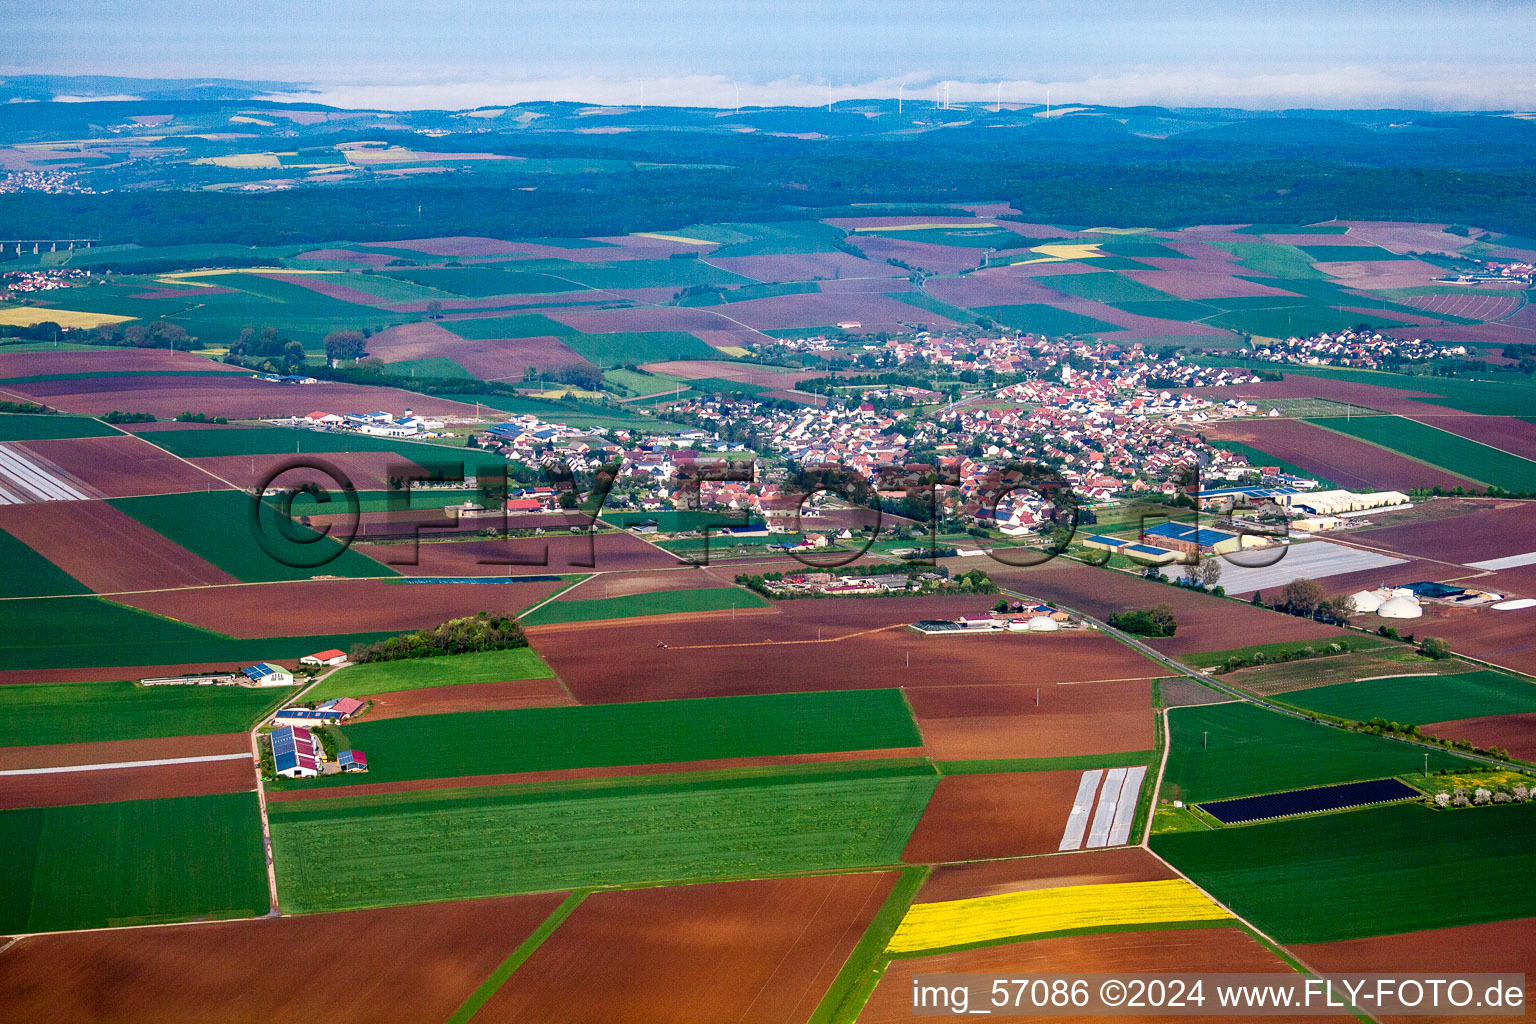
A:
[999,108]
[642,94]
[1047,104]
[900,86]
[829,95]
[738,99]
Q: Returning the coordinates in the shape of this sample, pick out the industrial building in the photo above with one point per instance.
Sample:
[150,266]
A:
[267,674]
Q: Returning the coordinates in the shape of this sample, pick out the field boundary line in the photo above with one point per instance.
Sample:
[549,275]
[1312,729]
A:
[111,765]
[1413,458]
[866,963]
[786,643]
[525,949]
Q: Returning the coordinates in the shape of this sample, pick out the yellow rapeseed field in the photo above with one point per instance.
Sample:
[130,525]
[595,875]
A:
[931,226]
[1013,914]
[1066,251]
[26,316]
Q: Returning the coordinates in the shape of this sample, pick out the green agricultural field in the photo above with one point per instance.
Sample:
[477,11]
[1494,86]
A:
[1256,457]
[387,287]
[620,347]
[678,273]
[136,862]
[568,411]
[1273,258]
[1419,700]
[431,366]
[641,732]
[43,427]
[519,325]
[25,573]
[90,632]
[665,602]
[1441,448]
[1107,288]
[1039,318]
[443,844]
[634,382]
[1350,253]
[216,526]
[1250,751]
[92,712]
[1283,321]
[1356,642]
[1376,871]
[1141,248]
[958,235]
[922,300]
[480,282]
[773,238]
[751,291]
[1183,310]
[424,673]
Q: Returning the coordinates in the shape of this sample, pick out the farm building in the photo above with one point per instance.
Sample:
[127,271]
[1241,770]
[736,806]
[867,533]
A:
[324,658]
[1144,553]
[304,716]
[210,679]
[295,753]
[352,761]
[1190,539]
[346,707]
[1341,503]
[266,674]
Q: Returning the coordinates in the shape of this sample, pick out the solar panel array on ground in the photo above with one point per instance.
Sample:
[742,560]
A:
[1309,801]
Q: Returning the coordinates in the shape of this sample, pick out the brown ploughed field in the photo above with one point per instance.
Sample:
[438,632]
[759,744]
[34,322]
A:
[1088,867]
[617,584]
[114,784]
[1460,530]
[1514,733]
[121,466]
[1182,951]
[367,471]
[1347,461]
[863,643]
[234,972]
[607,552]
[237,396]
[759,952]
[1206,623]
[437,700]
[105,549]
[1013,814]
[58,755]
[1002,720]
[316,607]
[1503,947]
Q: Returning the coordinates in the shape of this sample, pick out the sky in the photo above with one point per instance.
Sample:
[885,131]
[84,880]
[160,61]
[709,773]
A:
[1434,54]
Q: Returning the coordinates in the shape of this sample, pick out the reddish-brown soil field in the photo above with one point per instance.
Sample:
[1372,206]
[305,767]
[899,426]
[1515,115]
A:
[1121,953]
[809,266]
[1012,814]
[622,584]
[694,369]
[1200,279]
[328,287]
[402,964]
[1503,947]
[938,259]
[237,397]
[317,607]
[1458,530]
[488,359]
[368,471]
[59,755]
[105,549]
[999,286]
[32,364]
[1514,733]
[761,952]
[581,774]
[1507,432]
[1489,305]
[863,644]
[1088,867]
[873,311]
[121,466]
[1206,623]
[1296,385]
[501,302]
[610,552]
[1002,720]
[1381,273]
[375,259]
[1344,460]
[109,786]
[1504,638]
[437,700]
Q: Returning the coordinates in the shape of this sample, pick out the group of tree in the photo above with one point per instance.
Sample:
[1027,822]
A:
[140,334]
[1157,621]
[1310,599]
[468,635]
[266,349]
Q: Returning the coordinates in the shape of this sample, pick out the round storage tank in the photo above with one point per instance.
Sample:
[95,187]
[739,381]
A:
[1043,624]
[1400,608]
[1365,601]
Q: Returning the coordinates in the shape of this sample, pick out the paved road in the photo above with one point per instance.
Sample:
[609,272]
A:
[123,764]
